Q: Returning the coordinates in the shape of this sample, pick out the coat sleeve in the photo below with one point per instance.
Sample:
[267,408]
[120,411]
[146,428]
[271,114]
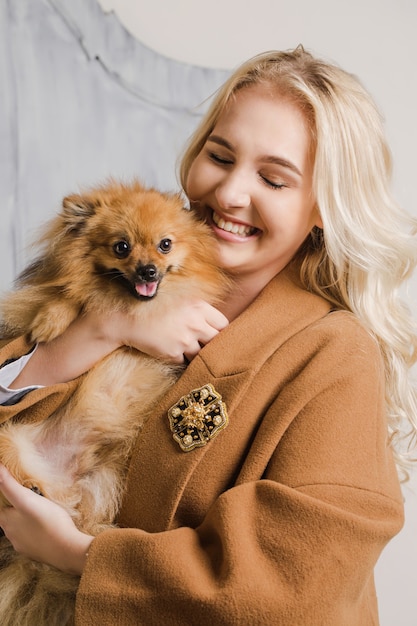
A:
[296,546]
[38,404]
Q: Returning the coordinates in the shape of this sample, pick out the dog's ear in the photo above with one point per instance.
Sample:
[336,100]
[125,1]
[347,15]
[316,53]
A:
[77,209]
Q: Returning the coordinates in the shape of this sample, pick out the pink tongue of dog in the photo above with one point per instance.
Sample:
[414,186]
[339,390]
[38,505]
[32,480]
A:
[146,289]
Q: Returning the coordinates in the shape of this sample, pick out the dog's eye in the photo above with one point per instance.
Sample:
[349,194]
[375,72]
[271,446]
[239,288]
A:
[165,245]
[121,249]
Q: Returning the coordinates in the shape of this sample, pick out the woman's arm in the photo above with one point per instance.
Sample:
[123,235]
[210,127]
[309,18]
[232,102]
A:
[173,335]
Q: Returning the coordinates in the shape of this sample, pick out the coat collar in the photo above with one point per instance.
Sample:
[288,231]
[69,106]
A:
[282,309]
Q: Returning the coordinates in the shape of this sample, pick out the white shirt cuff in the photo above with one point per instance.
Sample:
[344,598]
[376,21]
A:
[8,373]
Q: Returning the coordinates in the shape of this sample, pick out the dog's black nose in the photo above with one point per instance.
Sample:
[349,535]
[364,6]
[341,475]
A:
[147,273]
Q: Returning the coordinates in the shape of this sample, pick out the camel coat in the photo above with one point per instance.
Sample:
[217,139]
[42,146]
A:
[280,518]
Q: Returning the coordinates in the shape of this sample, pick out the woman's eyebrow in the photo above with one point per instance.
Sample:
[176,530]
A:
[220,141]
[266,158]
[283,162]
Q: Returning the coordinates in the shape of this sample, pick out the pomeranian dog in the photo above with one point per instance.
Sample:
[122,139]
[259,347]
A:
[119,246]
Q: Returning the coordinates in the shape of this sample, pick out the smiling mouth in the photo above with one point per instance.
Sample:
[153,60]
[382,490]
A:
[233,227]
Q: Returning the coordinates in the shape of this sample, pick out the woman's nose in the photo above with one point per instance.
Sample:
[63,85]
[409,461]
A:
[232,192]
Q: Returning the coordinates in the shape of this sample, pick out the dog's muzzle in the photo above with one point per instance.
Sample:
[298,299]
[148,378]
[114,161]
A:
[148,280]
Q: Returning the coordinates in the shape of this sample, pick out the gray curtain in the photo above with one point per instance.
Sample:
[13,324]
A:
[82,100]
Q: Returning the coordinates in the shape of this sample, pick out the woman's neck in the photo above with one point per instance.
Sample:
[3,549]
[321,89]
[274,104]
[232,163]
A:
[245,289]
[241,295]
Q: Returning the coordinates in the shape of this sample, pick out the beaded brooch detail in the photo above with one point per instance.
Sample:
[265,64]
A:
[197,418]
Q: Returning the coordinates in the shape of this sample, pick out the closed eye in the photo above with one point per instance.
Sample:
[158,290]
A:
[216,158]
[269,183]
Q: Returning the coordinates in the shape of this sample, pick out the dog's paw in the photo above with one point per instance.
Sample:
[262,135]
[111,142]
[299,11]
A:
[51,322]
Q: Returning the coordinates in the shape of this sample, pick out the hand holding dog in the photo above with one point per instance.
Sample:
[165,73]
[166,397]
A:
[172,335]
[40,529]
[169,335]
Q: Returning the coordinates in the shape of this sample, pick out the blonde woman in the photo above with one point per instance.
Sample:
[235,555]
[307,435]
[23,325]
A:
[282,516]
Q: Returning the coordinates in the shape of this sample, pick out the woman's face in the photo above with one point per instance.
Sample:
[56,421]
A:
[252,182]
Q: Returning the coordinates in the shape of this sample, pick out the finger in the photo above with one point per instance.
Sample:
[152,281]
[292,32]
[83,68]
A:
[177,358]
[206,334]
[192,350]
[220,322]
[13,491]
[215,318]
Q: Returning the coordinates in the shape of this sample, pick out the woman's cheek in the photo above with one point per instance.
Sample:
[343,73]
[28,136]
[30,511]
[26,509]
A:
[199,177]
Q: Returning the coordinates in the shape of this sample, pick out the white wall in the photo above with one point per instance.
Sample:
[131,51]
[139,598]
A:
[375,39]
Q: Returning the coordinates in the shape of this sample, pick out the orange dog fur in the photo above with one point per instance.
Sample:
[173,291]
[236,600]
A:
[119,246]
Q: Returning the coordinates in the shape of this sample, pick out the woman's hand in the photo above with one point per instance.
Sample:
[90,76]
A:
[170,334]
[41,529]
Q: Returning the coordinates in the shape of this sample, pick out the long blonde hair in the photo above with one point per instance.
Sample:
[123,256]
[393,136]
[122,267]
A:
[367,247]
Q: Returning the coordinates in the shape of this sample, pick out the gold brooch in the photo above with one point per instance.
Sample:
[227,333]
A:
[197,417]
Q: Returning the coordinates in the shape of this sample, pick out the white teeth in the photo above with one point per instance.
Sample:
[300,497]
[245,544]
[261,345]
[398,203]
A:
[236,229]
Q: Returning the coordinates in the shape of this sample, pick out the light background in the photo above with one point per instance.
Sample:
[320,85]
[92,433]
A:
[47,147]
